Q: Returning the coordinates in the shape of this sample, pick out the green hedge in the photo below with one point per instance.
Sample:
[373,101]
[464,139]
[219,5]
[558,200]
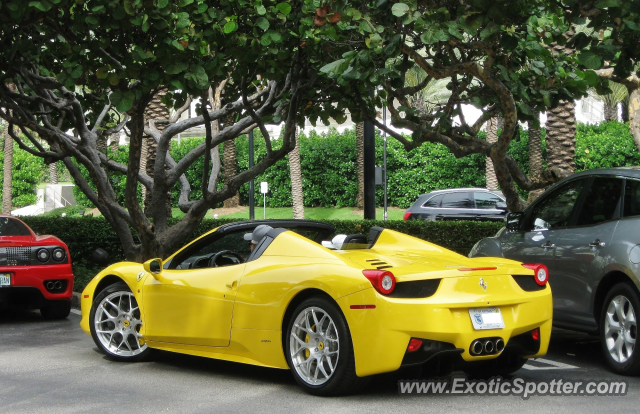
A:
[28,171]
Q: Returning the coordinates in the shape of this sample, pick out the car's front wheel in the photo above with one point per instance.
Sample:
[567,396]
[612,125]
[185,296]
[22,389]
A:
[619,330]
[319,350]
[116,321]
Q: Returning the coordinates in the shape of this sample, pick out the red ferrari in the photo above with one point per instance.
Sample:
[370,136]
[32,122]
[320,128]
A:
[35,271]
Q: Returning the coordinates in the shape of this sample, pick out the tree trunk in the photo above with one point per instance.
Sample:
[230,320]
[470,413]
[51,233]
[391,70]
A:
[561,137]
[230,164]
[492,136]
[7,186]
[535,158]
[115,144]
[634,115]
[295,170]
[360,163]
[156,110]
[53,173]
[610,112]
[624,111]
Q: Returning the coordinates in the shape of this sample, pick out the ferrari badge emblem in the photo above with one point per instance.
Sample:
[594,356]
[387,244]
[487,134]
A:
[140,276]
[483,284]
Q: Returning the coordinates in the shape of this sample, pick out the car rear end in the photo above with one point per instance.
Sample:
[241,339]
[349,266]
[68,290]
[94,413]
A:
[437,306]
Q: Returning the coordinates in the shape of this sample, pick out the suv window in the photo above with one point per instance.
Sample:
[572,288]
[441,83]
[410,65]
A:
[486,200]
[632,198]
[555,211]
[433,201]
[602,201]
[456,200]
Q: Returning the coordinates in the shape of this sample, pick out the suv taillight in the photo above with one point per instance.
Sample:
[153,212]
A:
[407,215]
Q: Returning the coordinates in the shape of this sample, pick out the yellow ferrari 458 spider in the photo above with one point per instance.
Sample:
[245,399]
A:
[333,313]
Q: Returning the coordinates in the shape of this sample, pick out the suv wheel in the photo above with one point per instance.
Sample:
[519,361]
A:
[619,330]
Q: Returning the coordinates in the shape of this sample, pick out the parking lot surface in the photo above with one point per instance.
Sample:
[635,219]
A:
[53,367]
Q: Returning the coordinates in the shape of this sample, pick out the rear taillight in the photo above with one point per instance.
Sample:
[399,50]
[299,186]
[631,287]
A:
[382,280]
[407,215]
[535,334]
[414,344]
[541,272]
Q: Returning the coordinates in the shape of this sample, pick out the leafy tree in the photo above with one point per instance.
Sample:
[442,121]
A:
[93,66]
[494,53]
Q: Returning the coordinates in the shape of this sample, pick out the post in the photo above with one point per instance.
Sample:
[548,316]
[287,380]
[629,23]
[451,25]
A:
[252,201]
[384,162]
[369,171]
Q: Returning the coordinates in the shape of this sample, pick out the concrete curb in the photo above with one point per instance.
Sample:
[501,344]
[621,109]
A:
[75,300]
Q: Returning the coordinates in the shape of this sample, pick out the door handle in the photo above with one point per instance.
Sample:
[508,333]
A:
[548,245]
[232,285]
[597,243]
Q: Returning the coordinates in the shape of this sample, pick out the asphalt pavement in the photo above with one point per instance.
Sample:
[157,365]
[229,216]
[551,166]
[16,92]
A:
[53,367]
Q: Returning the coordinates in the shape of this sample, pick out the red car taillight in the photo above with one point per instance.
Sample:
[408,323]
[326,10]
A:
[407,215]
[382,280]
[541,272]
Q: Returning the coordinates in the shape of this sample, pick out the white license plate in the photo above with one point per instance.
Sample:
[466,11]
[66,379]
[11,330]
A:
[5,279]
[486,318]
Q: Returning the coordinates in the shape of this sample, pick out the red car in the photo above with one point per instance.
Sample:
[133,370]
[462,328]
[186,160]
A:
[35,271]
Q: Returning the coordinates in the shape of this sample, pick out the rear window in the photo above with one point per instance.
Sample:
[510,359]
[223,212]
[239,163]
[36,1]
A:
[632,198]
[12,227]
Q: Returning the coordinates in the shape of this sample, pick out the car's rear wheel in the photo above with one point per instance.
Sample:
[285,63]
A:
[319,349]
[619,329]
[58,309]
[115,322]
[505,364]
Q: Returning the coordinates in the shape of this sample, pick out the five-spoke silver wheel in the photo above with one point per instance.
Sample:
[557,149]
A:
[314,346]
[117,324]
[620,329]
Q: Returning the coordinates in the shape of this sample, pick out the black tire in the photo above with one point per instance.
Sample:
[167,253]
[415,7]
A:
[116,288]
[54,310]
[504,365]
[629,364]
[344,379]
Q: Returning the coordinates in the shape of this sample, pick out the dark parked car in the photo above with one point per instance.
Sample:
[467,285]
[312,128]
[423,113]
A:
[586,230]
[459,204]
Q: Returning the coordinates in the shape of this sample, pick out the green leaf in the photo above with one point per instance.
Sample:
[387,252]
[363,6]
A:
[489,30]
[230,27]
[77,72]
[92,20]
[175,68]
[590,60]
[399,9]
[608,3]
[262,23]
[200,76]
[43,5]
[284,8]
[334,67]
[631,24]
[429,36]
[591,77]
[162,3]
[125,102]
[261,10]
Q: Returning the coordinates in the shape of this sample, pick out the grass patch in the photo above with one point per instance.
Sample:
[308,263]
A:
[310,213]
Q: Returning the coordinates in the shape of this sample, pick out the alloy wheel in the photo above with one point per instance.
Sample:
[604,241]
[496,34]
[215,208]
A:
[314,346]
[117,324]
[620,329]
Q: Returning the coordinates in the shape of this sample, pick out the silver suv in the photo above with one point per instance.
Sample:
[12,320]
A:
[459,204]
[586,230]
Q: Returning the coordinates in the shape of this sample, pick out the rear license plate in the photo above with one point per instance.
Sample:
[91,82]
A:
[5,279]
[486,318]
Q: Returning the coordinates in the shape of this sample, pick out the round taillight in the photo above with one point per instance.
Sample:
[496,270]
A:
[43,255]
[382,280]
[58,254]
[407,215]
[540,272]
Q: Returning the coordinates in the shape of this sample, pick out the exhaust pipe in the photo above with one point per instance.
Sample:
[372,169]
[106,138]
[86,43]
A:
[57,285]
[488,347]
[476,347]
[50,286]
[499,345]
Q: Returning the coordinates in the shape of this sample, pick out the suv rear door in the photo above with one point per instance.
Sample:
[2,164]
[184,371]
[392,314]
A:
[456,206]
[485,204]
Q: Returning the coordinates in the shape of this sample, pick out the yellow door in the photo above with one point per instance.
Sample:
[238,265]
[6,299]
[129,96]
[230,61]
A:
[191,306]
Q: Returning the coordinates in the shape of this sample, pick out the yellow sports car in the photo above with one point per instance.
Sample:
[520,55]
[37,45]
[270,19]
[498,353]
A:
[333,312]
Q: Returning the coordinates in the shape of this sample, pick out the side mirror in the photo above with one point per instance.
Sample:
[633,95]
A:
[514,221]
[501,205]
[153,266]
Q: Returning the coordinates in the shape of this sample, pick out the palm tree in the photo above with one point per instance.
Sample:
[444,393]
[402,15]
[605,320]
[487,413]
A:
[295,170]
[492,136]
[53,173]
[360,164]
[561,136]
[7,186]
[619,94]
[229,163]
[156,110]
